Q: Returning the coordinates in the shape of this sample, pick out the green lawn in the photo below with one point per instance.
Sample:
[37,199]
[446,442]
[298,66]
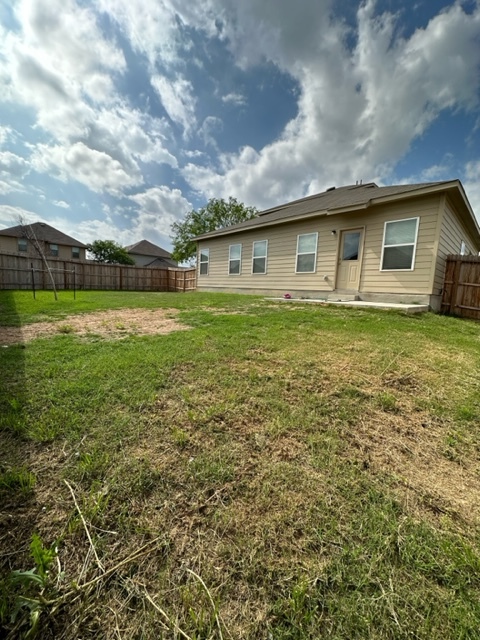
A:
[297,471]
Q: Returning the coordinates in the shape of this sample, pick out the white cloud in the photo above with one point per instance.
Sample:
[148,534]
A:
[211,126]
[128,135]
[193,153]
[62,65]
[472,186]
[10,186]
[445,169]
[61,203]
[158,208]
[13,165]
[157,28]
[65,37]
[358,111]
[95,169]
[235,98]
[155,210]
[5,133]
[10,215]
[178,100]
[151,30]
[13,168]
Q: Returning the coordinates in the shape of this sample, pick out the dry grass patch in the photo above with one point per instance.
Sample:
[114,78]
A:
[112,325]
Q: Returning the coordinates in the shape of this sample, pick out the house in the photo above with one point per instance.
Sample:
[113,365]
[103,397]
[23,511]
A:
[52,242]
[377,243]
[147,254]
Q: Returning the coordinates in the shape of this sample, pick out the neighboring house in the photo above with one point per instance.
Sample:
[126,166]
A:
[379,243]
[53,243]
[147,254]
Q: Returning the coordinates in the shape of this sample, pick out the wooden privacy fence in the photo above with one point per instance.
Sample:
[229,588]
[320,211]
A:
[461,288]
[16,272]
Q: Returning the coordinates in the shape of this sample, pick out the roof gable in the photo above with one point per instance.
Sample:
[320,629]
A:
[146,248]
[43,232]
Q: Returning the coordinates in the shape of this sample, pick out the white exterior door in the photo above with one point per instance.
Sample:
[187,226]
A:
[350,259]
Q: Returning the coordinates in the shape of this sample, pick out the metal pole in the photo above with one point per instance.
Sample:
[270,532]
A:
[74,290]
[33,280]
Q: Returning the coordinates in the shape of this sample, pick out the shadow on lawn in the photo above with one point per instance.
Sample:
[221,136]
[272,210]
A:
[16,480]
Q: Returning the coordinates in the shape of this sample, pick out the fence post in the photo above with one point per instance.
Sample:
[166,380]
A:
[33,280]
[74,287]
[455,286]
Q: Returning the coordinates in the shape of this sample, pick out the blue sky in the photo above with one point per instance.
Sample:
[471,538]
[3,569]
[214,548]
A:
[119,116]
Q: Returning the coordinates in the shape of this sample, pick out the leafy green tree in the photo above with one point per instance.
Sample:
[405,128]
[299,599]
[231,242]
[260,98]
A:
[110,252]
[216,214]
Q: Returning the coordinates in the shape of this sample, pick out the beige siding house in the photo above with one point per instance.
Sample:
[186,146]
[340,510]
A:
[377,243]
[52,242]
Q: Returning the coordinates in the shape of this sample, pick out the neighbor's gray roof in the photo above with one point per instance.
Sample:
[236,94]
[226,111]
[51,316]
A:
[162,262]
[146,248]
[44,232]
[341,198]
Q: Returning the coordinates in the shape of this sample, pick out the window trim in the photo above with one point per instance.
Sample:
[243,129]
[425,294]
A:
[230,259]
[24,242]
[200,261]
[403,244]
[307,253]
[463,248]
[254,257]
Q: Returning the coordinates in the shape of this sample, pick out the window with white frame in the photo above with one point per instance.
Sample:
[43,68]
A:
[76,252]
[399,245]
[204,259]
[306,253]
[463,248]
[22,244]
[259,260]
[235,260]
[54,249]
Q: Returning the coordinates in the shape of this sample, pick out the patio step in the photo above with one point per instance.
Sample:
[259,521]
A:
[337,296]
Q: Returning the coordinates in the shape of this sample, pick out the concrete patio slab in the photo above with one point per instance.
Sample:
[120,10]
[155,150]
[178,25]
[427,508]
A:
[406,308]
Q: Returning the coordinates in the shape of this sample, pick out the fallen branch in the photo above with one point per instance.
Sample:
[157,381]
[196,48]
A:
[211,600]
[102,568]
[142,551]
[160,610]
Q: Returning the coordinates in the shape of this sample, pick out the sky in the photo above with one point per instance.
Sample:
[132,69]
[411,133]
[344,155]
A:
[117,117]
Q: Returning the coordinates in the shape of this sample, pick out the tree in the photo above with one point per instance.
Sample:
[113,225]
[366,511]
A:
[28,233]
[110,252]
[216,214]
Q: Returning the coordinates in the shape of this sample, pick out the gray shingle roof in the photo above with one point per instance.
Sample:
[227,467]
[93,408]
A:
[162,262]
[146,248]
[43,232]
[327,202]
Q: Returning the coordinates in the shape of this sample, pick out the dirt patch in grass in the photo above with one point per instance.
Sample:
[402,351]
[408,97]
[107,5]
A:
[115,324]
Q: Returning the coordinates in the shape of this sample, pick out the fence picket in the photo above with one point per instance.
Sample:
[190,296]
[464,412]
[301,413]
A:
[461,288]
